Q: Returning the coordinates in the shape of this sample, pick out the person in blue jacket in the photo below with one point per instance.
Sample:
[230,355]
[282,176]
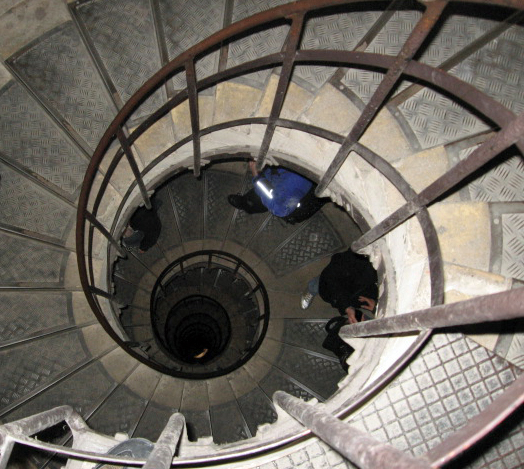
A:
[280,191]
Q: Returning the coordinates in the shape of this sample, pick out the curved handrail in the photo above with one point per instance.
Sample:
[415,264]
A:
[217,259]
[433,77]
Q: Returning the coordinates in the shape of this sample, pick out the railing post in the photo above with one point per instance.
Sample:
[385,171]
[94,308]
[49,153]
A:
[134,167]
[292,42]
[415,40]
[193,111]
[162,454]
[357,446]
[94,221]
[506,137]
[496,307]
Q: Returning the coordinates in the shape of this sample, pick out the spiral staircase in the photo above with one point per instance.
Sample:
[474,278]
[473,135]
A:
[76,310]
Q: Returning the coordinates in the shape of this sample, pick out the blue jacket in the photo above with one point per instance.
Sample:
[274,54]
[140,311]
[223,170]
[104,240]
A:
[288,189]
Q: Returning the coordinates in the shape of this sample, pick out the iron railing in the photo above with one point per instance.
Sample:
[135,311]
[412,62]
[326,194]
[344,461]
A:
[510,131]
[219,261]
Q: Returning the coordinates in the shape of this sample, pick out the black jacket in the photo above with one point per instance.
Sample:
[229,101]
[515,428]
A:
[347,277]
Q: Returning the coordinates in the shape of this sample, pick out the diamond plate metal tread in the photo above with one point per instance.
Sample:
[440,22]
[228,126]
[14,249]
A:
[503,183]
[449,382]
[198,424]
[320,374]
[28,366]
[316,455]
[130,269]
[153,421]
[218,212]
[363,83]
[276,380]
[274,233]
[119,413]
[227,423]
[187,193]
[124,291]
[124,36]
[244,226]
[513,245]
[59,68]
[340,31]
[23,313]
[81,391]
[456,32]
[22,260]
[436,120]
[169,235]
[29,207]
[257,409]
[29,137]
[496,69]
[262,43]
[306,333]
[394,34]
[318,239]
[154,258]
[186,23]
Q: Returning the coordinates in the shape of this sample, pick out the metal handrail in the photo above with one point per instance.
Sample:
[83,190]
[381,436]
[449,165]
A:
[294,13]
[217,259]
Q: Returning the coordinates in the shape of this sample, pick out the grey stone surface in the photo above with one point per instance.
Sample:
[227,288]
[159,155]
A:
[29,137]
[307,333]
[59,68]
[198,424]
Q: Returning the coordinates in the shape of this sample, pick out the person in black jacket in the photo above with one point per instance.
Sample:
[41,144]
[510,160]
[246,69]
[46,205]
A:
[348,283]
[143,229]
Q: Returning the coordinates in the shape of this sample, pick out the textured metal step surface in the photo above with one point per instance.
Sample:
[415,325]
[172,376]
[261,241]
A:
[121,412]
[218,213]
[23,261]
[29,207]
[24,314]
[28,136]
[228,423]
[124,37]
[30,366]
[187,195]
[83,391]
[450,381]
[186,23]
[319,372]
[59,69]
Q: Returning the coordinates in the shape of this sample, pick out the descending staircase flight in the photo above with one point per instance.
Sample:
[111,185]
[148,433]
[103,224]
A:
[66,72]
